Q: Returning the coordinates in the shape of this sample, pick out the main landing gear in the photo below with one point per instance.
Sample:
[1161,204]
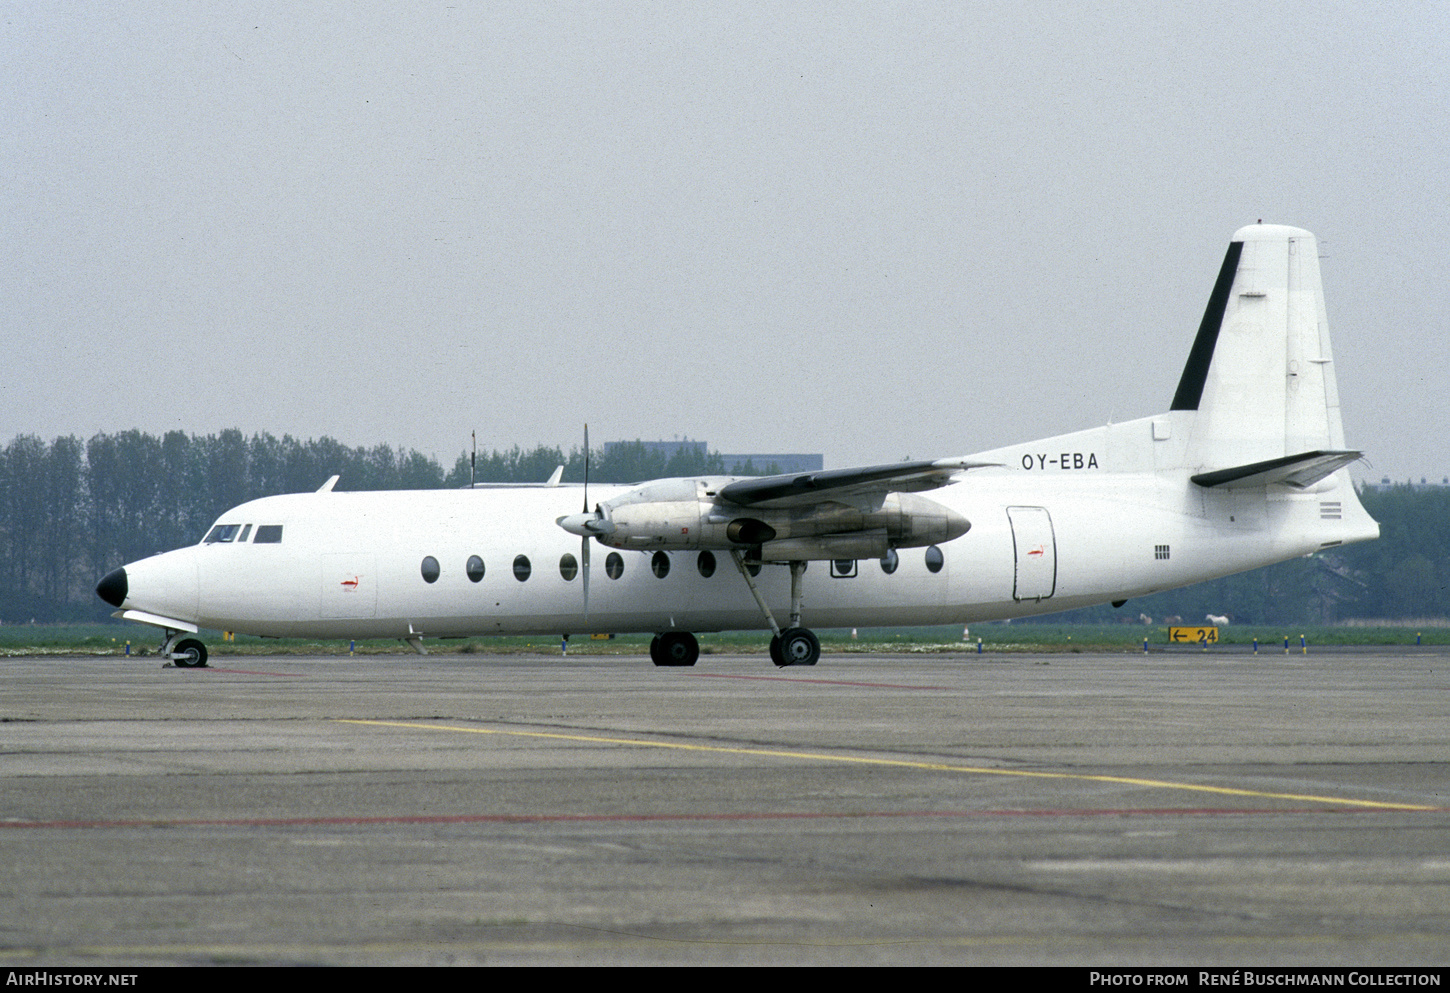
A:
[795,645]
[187,653]
[674,648]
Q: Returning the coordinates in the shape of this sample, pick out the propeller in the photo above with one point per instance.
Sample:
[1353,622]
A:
[584,541]
[586,524]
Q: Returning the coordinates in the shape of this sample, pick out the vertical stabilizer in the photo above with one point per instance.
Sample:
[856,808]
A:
[1261,373]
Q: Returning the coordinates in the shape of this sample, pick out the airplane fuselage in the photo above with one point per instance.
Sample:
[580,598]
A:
[1073,528]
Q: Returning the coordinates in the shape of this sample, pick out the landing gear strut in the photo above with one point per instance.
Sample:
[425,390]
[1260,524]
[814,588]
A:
[674,648]
[795,645]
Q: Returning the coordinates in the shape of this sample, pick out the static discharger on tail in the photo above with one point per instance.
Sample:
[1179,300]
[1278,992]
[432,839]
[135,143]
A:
[1246,468]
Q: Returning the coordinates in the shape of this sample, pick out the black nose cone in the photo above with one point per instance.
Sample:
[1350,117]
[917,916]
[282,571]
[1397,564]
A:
[112,589]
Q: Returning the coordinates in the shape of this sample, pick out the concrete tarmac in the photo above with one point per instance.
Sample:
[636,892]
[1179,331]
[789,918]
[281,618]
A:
[1176,808]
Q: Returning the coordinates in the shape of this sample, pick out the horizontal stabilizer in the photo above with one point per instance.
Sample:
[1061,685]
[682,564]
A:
[1292,470]
[807,488]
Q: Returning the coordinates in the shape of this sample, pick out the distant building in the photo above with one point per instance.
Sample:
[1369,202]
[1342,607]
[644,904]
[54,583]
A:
[776,461]
[669,449]
[759,462]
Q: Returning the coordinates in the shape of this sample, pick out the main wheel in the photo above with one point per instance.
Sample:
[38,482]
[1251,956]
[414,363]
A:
[799,646]
[675,648]
[775,655]
[189,654]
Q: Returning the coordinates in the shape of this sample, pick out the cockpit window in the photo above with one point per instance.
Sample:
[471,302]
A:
[268,534]
[222,532]
[245,531]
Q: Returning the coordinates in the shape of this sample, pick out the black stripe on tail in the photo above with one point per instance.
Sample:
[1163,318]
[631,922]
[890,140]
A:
[1195,373]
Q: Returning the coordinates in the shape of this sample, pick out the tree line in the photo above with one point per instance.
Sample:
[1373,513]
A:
[72,510]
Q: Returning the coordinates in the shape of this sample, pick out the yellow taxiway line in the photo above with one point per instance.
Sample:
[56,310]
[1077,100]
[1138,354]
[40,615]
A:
[894,762]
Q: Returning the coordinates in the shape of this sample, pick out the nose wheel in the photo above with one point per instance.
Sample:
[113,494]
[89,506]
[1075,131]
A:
[188,653]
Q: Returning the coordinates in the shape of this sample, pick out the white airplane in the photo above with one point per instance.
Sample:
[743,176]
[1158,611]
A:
[1246,468]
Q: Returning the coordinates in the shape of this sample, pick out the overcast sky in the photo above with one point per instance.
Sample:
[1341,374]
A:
[867,230]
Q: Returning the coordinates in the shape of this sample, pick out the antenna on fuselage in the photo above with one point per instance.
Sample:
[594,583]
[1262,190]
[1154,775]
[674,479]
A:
[473,463]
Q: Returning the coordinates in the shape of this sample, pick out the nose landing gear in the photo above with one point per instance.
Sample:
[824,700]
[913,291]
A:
[188,653]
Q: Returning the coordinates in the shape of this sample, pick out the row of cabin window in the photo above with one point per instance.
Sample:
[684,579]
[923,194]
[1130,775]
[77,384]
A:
[659,565]
[267,534]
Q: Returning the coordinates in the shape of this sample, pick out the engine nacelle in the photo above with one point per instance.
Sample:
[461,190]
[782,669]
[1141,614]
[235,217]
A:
[668,514]
[685,514]
[914,521]
[856,545]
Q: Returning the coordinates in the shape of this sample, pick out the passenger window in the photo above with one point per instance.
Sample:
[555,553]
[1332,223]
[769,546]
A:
[614,566]
[522,568]
[706,564]
[568,567]
[474,568]
[429,569]
[268,534]
[934,559]
[660,563]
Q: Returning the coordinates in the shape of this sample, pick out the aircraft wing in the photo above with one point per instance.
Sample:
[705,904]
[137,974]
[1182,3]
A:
[1298,471]
[798,489]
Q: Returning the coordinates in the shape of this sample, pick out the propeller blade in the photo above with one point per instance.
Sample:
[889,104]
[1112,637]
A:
[584,540]
[584,555]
